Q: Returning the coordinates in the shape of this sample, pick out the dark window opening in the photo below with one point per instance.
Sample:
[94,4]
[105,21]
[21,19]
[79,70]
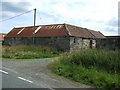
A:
[91,43]
[74,40]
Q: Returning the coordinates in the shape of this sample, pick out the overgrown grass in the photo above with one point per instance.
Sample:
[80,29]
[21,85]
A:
[28,52]
[97,68]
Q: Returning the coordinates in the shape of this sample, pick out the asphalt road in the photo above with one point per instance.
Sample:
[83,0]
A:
[13,80]
[21,73]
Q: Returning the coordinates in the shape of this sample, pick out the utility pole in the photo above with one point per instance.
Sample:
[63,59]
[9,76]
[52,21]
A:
[34,25]
[34,16]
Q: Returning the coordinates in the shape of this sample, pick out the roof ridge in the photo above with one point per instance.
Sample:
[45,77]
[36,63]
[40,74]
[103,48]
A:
[101,33]
[67,30]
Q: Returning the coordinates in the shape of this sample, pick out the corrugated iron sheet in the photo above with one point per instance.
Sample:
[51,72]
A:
[97,34]
[54,30]
[51,30]
[27,32]
[79,32]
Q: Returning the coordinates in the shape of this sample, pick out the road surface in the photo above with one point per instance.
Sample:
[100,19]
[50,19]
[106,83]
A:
[35,74]
[13,80]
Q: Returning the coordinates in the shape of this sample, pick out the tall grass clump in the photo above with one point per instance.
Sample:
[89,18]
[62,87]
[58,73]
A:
[107,60]
[28,52]
[99,68]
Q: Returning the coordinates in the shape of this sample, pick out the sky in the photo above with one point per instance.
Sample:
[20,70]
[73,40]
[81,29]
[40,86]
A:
[98,15]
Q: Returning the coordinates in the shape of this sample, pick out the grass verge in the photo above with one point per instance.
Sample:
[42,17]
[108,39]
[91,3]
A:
[92,67]
[28,52]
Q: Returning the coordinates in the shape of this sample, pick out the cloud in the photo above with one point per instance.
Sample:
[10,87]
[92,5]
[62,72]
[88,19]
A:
[10,9]
[92,14]
[19,7]
[113,22]
[109,30]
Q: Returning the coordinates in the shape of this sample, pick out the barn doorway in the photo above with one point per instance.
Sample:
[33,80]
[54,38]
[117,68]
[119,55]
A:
[91,43]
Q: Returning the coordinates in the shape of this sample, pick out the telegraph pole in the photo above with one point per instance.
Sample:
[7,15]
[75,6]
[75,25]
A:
[34,16]
[34,25]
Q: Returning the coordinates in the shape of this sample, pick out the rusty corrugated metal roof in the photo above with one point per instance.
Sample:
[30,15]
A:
[97,34]
[53,30]
[79,32]
[22,32]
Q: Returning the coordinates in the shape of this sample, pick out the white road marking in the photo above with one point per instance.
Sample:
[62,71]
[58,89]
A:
[25,79]
[4,72]
[8,69]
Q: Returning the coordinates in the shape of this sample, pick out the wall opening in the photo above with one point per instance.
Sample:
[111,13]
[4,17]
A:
[74,40]
[91,43]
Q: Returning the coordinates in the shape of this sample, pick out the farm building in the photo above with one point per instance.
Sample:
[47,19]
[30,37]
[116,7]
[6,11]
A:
[2,38]
[60,36]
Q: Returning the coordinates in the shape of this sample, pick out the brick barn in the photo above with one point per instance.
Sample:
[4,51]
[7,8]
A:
[64,37]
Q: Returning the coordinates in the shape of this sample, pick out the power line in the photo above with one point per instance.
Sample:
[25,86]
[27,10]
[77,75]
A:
[16,16]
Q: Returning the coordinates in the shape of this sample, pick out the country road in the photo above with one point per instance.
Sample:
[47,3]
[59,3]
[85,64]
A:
[13,80]
[34,74]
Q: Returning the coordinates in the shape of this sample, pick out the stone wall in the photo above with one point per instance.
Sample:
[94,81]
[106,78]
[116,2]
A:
[88,43]
[75,43]
[93,43]
[85,44]
[109,43]
[18,41]
[60,43]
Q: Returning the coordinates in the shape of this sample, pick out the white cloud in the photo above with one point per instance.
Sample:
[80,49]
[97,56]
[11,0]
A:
[93,14]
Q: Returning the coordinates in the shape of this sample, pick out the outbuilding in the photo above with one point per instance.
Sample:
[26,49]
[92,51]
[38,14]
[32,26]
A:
[60,36]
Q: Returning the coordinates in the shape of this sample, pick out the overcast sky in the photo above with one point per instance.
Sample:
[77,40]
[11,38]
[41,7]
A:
[99,15]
